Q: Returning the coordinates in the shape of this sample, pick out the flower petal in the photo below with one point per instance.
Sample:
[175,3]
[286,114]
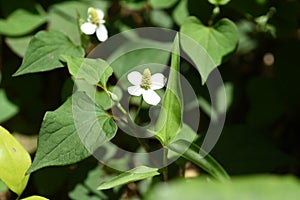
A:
[100,13]
[102,33]
[151,97]
[135,90]
[158,81]
[88,28]
[135,78]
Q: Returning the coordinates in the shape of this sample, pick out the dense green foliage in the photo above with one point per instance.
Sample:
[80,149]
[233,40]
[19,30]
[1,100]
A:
[68,104]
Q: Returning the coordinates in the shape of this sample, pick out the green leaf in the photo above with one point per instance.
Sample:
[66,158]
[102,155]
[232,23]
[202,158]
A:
[136,174]
[18,45]
[187,134]
[219,2]
[35,198]
[21,22]
[265,187]
[224,96]
[161,18]
[103,99]
[44,51]
[170,117]
[88,189]
[181,12]
[94,71]
[139,52]
[218,41]
[14,162]
[71,132]
[7,109]
[133,5]
[3,187]
[162,3]
[196,155]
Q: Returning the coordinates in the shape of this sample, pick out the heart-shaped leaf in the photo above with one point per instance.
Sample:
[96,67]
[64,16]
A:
[44,52]
[71,132]
[14,162]
[217,41]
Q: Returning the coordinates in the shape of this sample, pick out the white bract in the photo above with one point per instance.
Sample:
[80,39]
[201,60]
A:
[94,24]
[145,84]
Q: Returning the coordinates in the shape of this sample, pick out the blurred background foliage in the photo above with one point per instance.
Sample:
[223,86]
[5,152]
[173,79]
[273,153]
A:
[261,133]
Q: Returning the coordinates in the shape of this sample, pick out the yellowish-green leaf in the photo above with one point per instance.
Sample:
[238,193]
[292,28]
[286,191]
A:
[219,2]
[14,162]
[35,198]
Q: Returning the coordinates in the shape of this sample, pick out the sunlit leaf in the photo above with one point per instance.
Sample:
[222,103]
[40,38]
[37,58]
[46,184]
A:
[3,187]
[14,162]
[219,2]
[35,198]
[71,132]
[44,52]
[138,173]
[21,22]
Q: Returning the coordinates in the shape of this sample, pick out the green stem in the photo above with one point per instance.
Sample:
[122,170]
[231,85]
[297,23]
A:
[131,126]
[165,169]
[138,110]
[216,12]
[121,108]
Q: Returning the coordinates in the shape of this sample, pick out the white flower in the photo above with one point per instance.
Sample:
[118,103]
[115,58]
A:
[95,24]
[145,85]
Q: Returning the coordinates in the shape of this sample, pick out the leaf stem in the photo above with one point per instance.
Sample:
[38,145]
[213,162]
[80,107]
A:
[138,110]
[215,13]
[165,160]
[121,108]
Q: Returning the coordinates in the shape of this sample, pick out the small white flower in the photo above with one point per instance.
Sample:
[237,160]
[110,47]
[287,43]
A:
[145,84]
[95,24]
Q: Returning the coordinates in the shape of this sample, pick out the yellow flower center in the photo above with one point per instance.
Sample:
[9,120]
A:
[93,16]
[146,79]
